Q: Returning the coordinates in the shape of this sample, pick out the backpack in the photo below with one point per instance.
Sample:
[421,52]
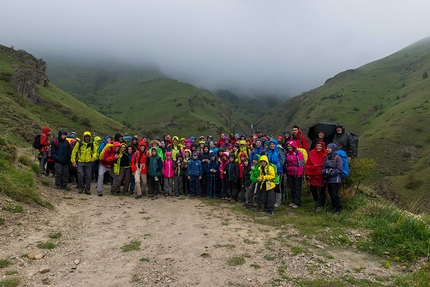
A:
[342,155]
[276,179]
[36,142]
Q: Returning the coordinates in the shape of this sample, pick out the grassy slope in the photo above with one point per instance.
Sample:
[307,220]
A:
[21,120]
[386,103]
[150,103]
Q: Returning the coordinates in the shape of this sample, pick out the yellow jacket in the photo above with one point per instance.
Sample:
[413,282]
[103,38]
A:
[269,174]
[83,151]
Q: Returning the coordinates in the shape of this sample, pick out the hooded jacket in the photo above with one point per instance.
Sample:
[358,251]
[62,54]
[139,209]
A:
[168,170]
[267,173]
[333,166]
[155,164]
[44,139]
[61,149]
[84,151]
[300,140]
[346,142]
[103,144]
[314,166]
[139,159]
[295,162]
[276,156]
[195,167]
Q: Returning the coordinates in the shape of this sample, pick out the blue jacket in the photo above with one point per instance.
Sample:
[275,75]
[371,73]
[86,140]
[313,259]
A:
[332,168]
[212,165]
[61,149]
[195,167]
[276,156]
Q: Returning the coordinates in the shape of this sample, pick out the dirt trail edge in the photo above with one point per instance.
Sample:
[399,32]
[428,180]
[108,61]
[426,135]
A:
[183,242]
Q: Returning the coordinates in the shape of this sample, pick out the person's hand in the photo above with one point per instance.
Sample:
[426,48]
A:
[200,178]
[74,164]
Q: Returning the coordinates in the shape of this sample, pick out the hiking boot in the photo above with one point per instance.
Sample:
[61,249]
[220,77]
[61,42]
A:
[87,192]
[271,213]
[256,209]
[99,194]
[291,204]
[295,206]
[81,190]
[155,197]
[318,209]
[138,196]
[57,187]
[66,188]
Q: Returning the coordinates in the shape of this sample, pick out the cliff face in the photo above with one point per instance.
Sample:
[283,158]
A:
[26,76]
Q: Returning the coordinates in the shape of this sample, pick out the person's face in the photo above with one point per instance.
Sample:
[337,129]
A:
[117,149]
[63,136]
[86,138]
[206,149]
[231,159]
[287,136]
[175,141]
[123,148]
[222,135]
[289,147]
[329,150]
[272,145]
[246,163]
[318,147]
[142,148]
[109,140]
[339,130]
[254,161]
[263,163]
[194,156]
[295,131]
[187,154]
[154,152]
[162,143]
[168,137]
[258,143]
[130,150]
[321,135]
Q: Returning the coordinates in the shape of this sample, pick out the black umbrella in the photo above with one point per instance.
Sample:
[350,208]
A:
[328,129]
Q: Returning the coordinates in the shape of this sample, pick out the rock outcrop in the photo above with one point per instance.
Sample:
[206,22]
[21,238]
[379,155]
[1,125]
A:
[26,76]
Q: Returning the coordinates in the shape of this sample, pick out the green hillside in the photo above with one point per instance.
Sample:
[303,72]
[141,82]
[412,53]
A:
[150,103]
[22,118]
[386,103]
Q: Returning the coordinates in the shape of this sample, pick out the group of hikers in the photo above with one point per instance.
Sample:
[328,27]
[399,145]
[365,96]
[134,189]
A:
[251,170]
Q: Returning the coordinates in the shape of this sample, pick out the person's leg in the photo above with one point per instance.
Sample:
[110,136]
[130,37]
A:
[64,176]
[127,180]
[271,201]
[333,190]
[137,186]
[80,170]
[43,159]
[88,170]
[58,175]
[100,179]
[298,190]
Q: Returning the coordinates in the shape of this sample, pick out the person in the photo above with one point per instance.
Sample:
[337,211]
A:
[108,156]
[155,166]
[276,156]
[332,171]
[299,138]
[245,181]
[60,152]
[168,173]
[122,170]
[186,160]
[213,169]
[253,188]
[320,138]
[314,176]
[139,169]
[266,185]
[294,168]
[44,147]
[178,167]
[232,178]
[83,155]
[345,141]
[96,163]
[175,147]
[223,174]
[195,172]
[287,138]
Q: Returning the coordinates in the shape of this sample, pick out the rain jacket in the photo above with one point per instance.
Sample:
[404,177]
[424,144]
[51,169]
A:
[83,151]
[168,170]
[268,173]
[108,154]
[139,159]
[295,163]
[155,164]
[300,140]
[332,167]
[61,149]
[314,166]
[346,142]
[44,139]
[276,156]
[195,167]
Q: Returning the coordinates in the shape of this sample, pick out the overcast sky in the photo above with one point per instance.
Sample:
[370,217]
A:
[284,47]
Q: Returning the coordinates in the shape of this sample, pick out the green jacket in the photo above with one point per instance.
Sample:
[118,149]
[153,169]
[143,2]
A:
[83,151]
[117,163]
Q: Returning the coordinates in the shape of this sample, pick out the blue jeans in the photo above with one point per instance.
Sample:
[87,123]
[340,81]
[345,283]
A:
[195,187]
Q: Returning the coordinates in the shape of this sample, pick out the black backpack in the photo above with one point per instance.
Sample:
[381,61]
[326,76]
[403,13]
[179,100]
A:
[36,142]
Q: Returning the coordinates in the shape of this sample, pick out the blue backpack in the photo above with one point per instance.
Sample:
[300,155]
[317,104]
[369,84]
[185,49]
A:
[342,155]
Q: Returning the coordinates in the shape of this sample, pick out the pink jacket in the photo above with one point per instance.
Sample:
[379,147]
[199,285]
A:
[168,170]
[295,162]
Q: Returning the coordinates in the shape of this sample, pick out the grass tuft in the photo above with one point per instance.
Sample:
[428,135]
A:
[46,245]
[235,261]
[134,245]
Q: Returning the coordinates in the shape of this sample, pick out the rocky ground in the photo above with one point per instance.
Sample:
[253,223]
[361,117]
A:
[183,242]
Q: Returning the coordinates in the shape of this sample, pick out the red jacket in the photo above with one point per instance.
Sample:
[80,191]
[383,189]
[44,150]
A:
[44,142]
[109,157]
[139,159]
[314,166]
[301,141]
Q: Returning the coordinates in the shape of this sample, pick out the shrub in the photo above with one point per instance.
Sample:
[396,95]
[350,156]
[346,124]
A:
[46,245]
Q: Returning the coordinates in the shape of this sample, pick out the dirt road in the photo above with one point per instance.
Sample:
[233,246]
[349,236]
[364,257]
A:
[183,242]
